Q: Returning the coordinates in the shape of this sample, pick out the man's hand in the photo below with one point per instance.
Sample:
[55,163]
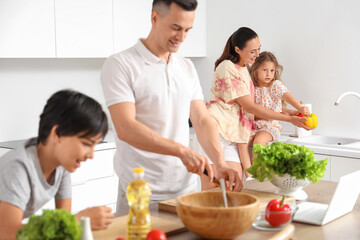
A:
[195,162]
[100,217]
[231,177]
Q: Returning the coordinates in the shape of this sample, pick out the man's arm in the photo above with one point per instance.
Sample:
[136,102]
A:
[135,133]
[208,136]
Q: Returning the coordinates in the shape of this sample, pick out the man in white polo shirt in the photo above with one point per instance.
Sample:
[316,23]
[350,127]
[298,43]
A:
[151,92]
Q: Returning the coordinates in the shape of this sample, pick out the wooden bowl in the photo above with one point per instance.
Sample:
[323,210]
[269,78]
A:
[201,213]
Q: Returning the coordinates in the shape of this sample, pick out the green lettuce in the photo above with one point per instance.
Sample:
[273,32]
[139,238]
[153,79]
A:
[281,158]
[58,224]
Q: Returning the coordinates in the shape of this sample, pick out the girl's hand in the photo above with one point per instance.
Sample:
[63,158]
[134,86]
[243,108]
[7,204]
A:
[304,110]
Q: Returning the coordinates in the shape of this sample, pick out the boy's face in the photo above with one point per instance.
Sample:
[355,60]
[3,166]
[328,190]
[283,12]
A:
[72,150]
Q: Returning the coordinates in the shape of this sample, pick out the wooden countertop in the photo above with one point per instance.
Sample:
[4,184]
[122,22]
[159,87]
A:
[346,227]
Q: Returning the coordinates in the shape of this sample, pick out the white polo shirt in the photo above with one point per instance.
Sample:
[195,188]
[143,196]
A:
[162,93]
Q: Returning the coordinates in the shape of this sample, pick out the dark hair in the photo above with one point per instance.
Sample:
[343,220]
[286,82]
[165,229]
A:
[74,113]
[188,5]
[265,57]
[237,39]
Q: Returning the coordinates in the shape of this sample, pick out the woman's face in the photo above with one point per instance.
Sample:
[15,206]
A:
[265,74]
[250,52]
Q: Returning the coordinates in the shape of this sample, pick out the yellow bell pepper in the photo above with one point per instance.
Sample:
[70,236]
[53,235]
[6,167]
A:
[312,121]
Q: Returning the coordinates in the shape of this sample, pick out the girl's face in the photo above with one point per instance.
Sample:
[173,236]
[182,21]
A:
[70,151]
[266,73]
[250,52]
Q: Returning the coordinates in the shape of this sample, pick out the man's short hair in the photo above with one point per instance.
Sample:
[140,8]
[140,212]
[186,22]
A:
[162,6]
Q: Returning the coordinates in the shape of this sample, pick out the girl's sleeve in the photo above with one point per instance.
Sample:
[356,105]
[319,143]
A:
[278,89]
[228,84]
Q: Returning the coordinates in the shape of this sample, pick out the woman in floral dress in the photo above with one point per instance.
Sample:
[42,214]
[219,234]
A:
[232,103]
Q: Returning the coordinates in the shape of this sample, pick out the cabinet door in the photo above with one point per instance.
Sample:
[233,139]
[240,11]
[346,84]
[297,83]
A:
[132,20]
[3,151]
[27,29]
[195,42]
[99,167]
[341,166]
[94,193]
[327,174]
[84,28]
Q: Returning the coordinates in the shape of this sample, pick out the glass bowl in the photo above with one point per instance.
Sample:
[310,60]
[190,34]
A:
[278,219]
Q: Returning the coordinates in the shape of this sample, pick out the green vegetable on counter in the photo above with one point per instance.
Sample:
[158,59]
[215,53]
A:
[56,224]
[281,158]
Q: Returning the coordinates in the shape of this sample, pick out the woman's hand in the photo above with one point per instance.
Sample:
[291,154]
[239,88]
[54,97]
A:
[289,112]
[299,122]
[100,217]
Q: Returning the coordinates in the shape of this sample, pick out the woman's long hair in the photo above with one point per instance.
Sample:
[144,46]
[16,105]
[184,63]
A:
[237,39]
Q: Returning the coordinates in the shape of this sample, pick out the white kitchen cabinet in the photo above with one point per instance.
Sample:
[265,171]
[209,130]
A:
[132,20]
[99,167]
[327,174]
[27,29]
[84,28]
[95,182]
[94,193]
[195,42]
[341,166]
[3,151]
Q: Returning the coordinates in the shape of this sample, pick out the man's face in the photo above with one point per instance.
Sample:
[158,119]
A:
[172,29]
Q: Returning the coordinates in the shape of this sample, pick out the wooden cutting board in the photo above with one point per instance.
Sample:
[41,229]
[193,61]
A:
[264,197]
[118,228]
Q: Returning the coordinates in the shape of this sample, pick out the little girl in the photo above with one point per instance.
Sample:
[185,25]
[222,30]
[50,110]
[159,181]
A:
[270,92]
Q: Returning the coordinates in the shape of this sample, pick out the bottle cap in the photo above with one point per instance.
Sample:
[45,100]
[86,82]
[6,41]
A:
[138,170]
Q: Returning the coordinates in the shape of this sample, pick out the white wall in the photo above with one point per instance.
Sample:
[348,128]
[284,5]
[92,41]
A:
[317,42]
[26,84]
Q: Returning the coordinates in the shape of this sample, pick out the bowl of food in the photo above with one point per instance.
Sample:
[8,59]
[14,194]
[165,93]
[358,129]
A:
[203,213]
[275,215]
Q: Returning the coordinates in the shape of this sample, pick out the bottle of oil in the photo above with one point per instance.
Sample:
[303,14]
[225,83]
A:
[138,194]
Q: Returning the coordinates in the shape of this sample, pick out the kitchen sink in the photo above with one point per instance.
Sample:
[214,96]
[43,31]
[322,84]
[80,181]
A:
[327,141]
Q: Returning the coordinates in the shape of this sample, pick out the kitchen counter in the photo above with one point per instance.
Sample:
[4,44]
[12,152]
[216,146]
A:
[345,227]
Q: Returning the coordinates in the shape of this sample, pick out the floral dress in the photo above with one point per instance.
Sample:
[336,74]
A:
[270,97]
[230,82]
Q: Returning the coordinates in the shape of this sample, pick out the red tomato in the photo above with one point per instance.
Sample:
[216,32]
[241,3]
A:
[300,115]
[277,212]
[156,234]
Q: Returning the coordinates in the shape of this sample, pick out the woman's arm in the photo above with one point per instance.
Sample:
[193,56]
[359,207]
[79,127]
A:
[248,104]
[10,220]
[296,104]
